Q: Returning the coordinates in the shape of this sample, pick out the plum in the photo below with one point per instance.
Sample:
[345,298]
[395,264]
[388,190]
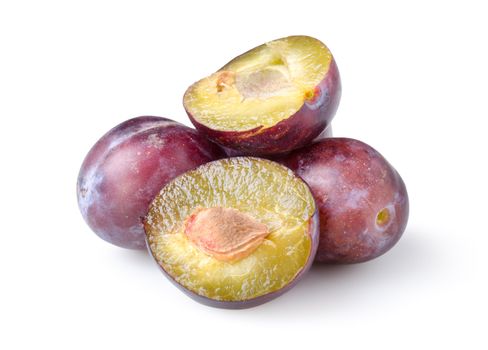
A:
[272,99]
[234,233]
[128,166]
[362,200]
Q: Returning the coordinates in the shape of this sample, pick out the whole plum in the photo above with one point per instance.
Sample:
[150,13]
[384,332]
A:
[127,167]
[362,200]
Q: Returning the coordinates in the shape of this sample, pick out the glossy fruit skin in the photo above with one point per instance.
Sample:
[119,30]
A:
[296,131]
[314,235]
[351,182]
[128,166]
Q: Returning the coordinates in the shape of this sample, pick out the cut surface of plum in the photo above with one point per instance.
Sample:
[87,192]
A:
[261,87]
[235,232]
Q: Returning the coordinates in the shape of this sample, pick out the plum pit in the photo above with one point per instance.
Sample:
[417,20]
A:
[226,234]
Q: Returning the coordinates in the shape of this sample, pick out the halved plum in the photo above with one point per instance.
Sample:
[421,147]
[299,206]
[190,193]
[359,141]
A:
[272,99]
[234,233]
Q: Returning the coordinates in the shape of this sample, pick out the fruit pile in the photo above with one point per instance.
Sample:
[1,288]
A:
[235,212]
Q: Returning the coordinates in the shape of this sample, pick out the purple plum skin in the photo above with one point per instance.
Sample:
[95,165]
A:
[326,133]
[296,131]
[246,304]
[128,166]
[351,183]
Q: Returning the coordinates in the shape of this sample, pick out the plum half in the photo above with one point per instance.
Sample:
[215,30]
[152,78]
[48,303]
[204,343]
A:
[362,200]
[272,99]
[127,167]
[234,233]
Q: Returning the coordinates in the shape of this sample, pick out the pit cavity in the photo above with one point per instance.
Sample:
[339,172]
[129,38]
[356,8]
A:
[226,234]
[270,78]
[263,84]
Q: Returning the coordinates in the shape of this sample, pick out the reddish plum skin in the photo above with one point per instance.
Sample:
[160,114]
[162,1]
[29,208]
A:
[128,166]
[296,131]
[351,183]
[246,304]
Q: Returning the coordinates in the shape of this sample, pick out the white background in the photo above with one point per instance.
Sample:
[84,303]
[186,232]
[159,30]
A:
[415,87]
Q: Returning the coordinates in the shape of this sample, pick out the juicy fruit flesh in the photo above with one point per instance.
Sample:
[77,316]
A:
[225,233]
[260,188]
[261,87]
